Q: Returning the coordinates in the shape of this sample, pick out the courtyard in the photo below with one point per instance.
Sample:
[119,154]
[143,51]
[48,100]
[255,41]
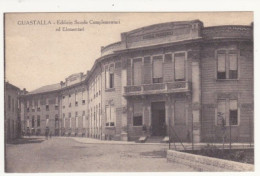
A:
[69,155]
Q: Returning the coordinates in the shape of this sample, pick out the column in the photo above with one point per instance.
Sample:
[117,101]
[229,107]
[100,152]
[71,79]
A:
[196,96]
[124,132]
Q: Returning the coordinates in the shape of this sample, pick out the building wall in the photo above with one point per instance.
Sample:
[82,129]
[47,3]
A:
[111,98]
[74,110]
[94,104]
[214,89]
[12,119]
[39,112]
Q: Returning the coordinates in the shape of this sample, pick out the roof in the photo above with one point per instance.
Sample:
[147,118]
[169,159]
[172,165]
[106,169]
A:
[9,85]
[47,88]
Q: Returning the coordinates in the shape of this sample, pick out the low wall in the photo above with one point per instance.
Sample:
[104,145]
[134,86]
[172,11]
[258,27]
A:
[204,163]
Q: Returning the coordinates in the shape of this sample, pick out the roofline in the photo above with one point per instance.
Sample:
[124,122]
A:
[13,86]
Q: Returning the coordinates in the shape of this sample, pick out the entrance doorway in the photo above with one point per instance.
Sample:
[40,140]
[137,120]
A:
[158,119]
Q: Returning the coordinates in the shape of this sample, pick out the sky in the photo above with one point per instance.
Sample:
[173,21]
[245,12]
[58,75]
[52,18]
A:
[38,55]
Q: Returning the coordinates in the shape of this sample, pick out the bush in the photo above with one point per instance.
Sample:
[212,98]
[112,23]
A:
[212,151]
[238,155]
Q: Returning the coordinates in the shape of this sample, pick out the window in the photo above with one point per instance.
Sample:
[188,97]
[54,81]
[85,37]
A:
[76,99]
[47,108]
[138,118]
[110,77]
[110,115]
[38,121]
[227,64]
[32,121]
[111,83]
[157,69]
[137,71]
[38,108]
[227,112]
[179,66]
[56,107]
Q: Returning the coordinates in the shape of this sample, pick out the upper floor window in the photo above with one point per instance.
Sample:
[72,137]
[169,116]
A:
[110,76]
[179,66]
[38,121]
[157,69]
[137,71]
[47,107]
[227,64]
[32,121]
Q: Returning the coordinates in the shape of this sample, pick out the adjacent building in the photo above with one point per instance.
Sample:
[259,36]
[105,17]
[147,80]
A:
[12,115]
[177,79]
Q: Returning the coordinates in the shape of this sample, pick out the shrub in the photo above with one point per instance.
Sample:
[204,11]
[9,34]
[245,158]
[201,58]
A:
[212,151]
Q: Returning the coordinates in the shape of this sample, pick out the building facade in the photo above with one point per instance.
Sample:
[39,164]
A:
[12,116]
[177,79]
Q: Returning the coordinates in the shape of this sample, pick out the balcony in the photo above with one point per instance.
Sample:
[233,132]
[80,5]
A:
[160,88]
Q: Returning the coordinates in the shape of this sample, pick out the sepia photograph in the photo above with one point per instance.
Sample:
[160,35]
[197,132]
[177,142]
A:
[129,92]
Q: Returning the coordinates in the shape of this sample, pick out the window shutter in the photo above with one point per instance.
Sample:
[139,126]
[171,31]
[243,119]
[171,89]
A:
[232,61]
[157,67]
[221,62]
[179,66]
[137,72]
[233,104]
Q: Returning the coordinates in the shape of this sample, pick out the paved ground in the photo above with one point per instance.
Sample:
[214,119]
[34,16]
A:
[69,155]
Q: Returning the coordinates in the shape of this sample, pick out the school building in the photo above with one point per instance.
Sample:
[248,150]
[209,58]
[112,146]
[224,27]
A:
[177,79]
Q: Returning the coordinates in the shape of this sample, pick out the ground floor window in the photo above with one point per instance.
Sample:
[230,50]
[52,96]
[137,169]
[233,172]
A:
[227,112]
[137,115]
[110,115]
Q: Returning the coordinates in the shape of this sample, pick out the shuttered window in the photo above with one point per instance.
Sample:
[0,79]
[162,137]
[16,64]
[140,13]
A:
[157,69]
[137,118]
[179,66]
[110,115]
[227,112]
[227,64]
[137,71]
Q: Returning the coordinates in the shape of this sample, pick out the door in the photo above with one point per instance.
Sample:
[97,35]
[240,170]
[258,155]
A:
[158,119]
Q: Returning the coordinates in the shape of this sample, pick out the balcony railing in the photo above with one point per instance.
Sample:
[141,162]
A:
[157,88]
